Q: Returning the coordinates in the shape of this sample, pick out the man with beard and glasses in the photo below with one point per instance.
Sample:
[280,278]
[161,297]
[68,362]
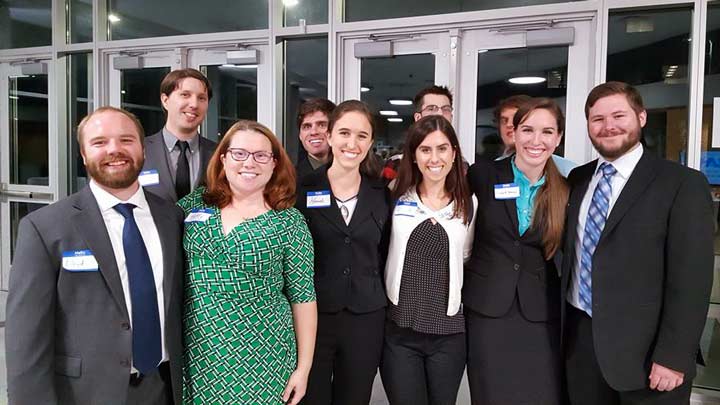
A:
[638,264]
[94,304]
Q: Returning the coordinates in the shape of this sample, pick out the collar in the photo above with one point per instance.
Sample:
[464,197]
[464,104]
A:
[445,212]
[107,201]
[170,140]
[521,178]
[625,164]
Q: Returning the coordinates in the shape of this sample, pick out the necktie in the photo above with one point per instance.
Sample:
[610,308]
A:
[182,173]
[594,224]
[146,341]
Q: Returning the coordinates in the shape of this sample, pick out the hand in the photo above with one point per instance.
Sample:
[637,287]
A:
[664,379]
[295,388]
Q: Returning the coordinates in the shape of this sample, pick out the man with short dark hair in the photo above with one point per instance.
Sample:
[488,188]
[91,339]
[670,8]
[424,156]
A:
[95,298]
[313,121]
[638,264]
[433,100]
[177,156]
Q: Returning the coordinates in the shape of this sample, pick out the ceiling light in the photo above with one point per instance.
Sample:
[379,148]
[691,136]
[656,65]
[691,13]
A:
[113,18]
[388,112]
[483,50]
[395,119]
[290,3]
[228,65]
[527,79]
[638,24]
[122,91]
[364,89]
[400,101]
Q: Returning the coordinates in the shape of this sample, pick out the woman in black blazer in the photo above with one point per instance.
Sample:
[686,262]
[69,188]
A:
[347,207]
[511,291]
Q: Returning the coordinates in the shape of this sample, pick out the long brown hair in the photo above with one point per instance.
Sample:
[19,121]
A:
[410,176]
[551,199]
[370,166]
[279,192]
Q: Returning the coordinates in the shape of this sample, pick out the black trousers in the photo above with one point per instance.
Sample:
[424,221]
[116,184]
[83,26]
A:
[585,382]
[347,355]
[421,369]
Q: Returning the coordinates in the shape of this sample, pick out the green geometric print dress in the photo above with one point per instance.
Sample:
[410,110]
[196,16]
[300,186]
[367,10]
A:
[238,324]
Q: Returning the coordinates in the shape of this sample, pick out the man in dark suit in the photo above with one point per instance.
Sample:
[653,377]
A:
[638,264]
[94,304]
[176,157]
[313,123]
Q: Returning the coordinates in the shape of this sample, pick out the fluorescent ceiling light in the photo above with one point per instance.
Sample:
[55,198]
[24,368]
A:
[113,18]
[227,65]
[290,3]
[527,79]
[483,50]
[395,119]
[388,112]
[122,91]
[364,89]
[399,101]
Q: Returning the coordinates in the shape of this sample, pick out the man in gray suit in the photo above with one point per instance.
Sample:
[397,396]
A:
[94,304]
[176,157]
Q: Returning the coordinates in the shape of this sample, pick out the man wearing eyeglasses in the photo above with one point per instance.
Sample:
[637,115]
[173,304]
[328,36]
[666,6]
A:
[313,125]
[433,100]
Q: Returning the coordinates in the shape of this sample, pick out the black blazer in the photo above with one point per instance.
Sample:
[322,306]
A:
[349,260]
[503,263]
[652,270]
[303,167]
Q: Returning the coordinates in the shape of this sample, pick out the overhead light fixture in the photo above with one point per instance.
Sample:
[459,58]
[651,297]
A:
[364,89]
[400,101]
[290,3]
[388,112]
[228,65]
[483,50]
[113,18]
[122,91]
[637,24]
[527,79]
[395,120]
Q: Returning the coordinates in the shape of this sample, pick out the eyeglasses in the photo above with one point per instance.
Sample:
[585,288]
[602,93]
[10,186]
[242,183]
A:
[241,155]
[433,109]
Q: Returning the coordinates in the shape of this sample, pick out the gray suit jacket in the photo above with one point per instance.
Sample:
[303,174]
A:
[156,158]
[68,338]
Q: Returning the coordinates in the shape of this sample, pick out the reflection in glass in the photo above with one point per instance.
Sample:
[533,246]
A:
[650,49]
[305,76]
[80,104]
[25,23]
[130,19]
[28,100]
[495,68]
[234,97]
[140,91]
[312,11]
[17,211]
[396,78]
[359,10]
[79,21]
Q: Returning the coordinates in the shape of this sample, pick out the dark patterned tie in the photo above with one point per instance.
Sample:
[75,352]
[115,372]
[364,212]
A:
[182,173]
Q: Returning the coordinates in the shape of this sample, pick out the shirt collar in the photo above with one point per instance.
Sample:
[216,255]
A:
[107,201]
[521,178]
[170,140]
[626,163]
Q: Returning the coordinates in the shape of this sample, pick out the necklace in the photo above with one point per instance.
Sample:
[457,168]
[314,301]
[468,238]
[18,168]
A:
[343,208]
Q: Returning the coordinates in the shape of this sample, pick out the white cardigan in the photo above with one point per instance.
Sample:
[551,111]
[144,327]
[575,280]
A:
[460,237]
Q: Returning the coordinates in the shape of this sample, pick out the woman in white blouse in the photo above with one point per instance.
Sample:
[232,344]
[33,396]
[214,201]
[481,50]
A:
[432,227]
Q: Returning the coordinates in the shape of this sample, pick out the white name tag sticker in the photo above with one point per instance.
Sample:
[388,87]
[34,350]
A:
[405,208]
[79,260]
[149,178]
[318,199]
[199,215]
[508,191]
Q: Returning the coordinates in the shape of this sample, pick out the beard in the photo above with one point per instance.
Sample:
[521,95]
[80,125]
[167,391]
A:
[614,152]
[115,179]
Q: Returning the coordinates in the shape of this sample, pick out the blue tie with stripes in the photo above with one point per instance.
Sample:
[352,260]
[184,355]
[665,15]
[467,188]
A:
[594,224]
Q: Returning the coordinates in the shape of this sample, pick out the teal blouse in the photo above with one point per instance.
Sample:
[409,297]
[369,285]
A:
[525,203]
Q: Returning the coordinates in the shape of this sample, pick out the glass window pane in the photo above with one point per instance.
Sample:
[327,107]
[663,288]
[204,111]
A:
[650,49]
[234,97]
[79,21]
[25,23]
[129,19]
[17,211]
[140,91]
[396,78]
[80,104]
[312,11]
[306,76]
[28,100]
[359,10]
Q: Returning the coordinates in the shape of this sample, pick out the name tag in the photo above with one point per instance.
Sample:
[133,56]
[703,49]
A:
[149,178]
[79,260]
[405,208]
[199,215]
[508,191]
[318,199]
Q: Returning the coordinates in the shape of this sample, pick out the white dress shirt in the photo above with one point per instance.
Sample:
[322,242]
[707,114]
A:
[625,165]
[114,223]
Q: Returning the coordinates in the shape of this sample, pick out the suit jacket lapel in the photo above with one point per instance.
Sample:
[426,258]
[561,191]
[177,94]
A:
[331,213]
[577,194]
[365,202]
[155,151]
[505,175]
[167,231]
[207,148]
[89,223]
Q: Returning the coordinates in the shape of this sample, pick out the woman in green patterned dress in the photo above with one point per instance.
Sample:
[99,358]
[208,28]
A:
[250,315]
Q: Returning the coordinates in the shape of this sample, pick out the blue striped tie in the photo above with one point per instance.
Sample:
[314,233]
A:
[594,224]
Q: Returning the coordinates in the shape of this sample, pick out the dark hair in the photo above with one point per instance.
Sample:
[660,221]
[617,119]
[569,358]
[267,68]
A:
[510,102]
[314,105]
[439,90]
[409,175]
[551,200]
[370,165]
[279,192]
[172,80]
[610,89]
[128,114]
